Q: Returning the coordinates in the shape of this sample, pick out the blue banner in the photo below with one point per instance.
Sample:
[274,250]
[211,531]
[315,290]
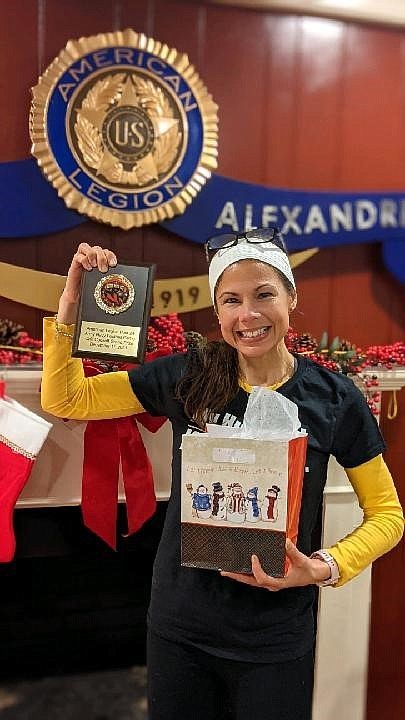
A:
[29,206]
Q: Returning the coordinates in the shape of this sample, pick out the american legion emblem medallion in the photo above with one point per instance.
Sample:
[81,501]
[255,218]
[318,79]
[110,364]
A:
[114,294]
[124,128]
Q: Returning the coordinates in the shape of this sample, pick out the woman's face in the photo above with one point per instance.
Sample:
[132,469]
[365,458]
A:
[253,307]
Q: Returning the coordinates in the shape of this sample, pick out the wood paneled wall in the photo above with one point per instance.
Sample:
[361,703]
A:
[304,103]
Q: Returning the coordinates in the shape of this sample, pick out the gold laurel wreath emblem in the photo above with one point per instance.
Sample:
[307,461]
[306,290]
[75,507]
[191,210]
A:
[111,122]
[104,96]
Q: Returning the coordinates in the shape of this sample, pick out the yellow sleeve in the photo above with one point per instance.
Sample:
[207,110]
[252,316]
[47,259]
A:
[67,393]
[383,520]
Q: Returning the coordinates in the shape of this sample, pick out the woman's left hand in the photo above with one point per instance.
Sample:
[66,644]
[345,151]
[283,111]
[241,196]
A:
[302,570]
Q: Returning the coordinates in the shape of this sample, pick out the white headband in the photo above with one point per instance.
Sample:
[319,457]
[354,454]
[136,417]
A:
[243,250]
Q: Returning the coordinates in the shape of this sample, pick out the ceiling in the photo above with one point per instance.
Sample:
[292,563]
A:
[384,12]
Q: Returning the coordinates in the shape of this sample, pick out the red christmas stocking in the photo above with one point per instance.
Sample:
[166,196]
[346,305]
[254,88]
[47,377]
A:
[22,435]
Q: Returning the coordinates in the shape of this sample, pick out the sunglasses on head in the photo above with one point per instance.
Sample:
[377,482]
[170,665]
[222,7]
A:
[258,235]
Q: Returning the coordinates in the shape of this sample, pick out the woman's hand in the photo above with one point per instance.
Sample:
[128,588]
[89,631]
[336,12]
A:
[85,258]
[302,570]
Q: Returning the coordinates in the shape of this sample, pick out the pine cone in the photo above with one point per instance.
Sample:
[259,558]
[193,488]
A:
[346,345]
[308,341]
[302,343]
[10,331]
[150,345]
[194,339]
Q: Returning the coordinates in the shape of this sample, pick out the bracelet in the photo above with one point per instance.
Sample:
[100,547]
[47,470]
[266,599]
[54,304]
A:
[334,567]
[61,332]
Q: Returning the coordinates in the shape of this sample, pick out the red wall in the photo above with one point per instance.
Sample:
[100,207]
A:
[304,103]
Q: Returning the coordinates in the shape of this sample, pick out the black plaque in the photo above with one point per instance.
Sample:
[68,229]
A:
[113,315]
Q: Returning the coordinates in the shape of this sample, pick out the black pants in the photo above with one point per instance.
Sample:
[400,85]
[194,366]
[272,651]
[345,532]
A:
[188,684]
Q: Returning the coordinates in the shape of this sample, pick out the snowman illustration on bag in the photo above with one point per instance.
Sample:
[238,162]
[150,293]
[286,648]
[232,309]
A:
[201,502]
[253,513]
[270,504]
[218,502]
[235,504]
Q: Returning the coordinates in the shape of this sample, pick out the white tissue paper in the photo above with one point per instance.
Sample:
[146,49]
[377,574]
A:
[268,416]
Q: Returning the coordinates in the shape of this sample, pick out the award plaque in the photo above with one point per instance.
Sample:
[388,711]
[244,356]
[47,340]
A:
[113,315]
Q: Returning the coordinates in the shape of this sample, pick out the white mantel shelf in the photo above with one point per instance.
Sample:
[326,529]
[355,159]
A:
[23,379]
[387,379]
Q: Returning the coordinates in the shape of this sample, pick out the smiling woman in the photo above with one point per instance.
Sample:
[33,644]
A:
[228,633]
[253,307]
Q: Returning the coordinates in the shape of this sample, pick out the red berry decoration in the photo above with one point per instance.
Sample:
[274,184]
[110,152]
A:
[16,346]
[166,332]
[343,356]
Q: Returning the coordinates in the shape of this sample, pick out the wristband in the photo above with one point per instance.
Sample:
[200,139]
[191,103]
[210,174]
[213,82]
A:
[334,567]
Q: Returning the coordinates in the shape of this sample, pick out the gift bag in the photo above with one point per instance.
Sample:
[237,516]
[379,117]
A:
[241,490]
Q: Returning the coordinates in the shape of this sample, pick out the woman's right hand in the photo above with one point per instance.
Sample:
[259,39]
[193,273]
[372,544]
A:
[85,258]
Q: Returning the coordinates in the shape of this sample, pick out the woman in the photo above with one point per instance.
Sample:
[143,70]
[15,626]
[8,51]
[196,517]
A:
[223,644]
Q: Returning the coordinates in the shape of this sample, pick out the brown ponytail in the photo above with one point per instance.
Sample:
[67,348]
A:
[210,381]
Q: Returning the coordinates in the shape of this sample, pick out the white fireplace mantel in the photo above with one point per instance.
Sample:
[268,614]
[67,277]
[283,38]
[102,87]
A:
[343,614]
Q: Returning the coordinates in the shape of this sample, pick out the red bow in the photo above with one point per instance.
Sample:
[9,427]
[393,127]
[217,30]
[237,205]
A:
[107,444]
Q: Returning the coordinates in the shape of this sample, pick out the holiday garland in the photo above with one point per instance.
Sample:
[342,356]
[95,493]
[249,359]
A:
[16,345]
[166,333]
[345,357]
